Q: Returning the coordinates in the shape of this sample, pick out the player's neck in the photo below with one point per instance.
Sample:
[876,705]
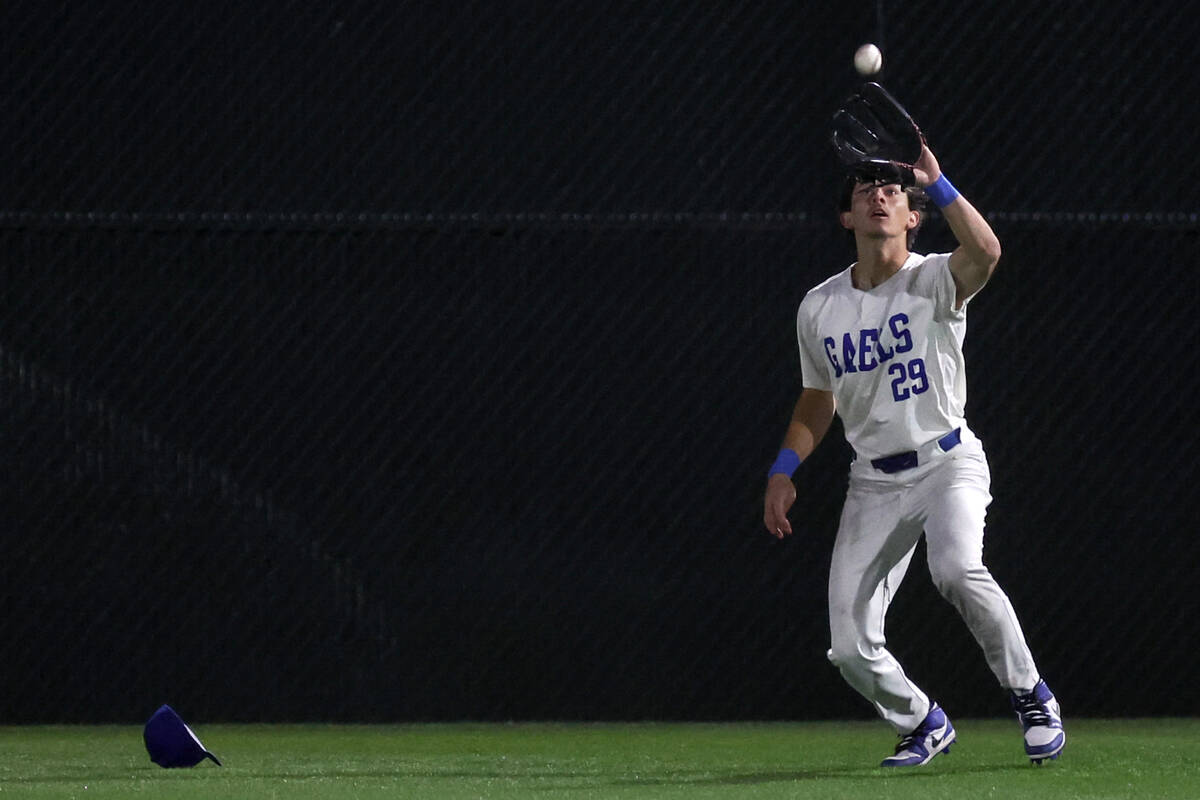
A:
[878,260]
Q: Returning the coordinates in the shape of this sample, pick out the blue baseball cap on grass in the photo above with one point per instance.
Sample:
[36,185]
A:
[171,743]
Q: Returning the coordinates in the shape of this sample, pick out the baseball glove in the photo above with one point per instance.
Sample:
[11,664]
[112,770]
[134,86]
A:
[872,131]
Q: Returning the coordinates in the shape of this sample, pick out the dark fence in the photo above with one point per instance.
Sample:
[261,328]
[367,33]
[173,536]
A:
[389,362]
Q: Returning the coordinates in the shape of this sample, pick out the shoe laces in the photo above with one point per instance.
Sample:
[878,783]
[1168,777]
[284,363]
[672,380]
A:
[907,741]
[1032,712]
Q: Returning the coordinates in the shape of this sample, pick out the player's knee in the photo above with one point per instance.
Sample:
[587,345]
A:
[850,653]
[952,579]
[948,579]
[836,656]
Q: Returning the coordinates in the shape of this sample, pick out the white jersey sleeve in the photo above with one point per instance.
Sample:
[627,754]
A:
[934,280]
[815,371]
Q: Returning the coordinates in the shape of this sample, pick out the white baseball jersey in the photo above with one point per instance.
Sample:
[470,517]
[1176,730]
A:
[892,356]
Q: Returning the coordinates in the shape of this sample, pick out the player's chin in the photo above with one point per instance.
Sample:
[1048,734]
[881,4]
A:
[875,229]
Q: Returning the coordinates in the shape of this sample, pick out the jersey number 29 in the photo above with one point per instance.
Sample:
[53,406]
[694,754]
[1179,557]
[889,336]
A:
[912,372]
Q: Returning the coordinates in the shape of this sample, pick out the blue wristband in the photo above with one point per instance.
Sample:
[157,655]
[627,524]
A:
[942,192]
[785,463]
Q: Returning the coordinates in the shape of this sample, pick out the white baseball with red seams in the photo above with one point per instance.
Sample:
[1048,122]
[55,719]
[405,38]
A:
[868,60]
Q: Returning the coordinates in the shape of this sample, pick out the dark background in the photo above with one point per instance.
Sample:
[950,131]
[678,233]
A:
[404,361]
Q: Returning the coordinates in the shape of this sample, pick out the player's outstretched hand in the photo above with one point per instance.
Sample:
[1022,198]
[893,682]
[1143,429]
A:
[781,493]
[926,170]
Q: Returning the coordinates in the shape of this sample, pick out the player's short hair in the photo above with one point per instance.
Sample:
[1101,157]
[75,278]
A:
[917,199]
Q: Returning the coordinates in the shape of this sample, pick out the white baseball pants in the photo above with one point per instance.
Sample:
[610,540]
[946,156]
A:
[883,518]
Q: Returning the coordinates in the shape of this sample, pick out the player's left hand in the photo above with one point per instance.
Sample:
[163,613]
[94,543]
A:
[926,169]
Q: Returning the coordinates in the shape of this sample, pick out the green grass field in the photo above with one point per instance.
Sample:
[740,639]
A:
[1103,759]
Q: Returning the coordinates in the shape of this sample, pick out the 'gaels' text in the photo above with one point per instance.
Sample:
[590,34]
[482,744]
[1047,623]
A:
[864,351]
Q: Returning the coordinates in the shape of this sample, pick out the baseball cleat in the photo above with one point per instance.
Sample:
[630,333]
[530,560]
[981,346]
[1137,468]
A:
[1041,721]
[934,735]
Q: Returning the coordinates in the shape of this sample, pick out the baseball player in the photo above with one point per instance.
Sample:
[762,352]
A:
[881,345]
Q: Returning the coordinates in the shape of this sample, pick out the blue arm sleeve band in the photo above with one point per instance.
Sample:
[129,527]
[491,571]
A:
[785,463]
[942,192]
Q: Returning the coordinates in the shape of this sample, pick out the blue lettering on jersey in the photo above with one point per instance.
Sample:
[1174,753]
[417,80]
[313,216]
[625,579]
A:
[884,355]
[868,342]
[913,373]
[831,354]
[904,341]
[848,352]
[866,351]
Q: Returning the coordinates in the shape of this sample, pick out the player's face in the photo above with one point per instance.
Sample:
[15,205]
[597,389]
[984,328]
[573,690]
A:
[879,210]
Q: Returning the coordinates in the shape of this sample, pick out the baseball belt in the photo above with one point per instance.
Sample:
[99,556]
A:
[898,462]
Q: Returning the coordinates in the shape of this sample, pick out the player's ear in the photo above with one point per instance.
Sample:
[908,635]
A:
[914,219]
[846,219]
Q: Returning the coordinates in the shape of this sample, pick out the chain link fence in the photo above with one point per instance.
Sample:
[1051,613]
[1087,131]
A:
[386,362]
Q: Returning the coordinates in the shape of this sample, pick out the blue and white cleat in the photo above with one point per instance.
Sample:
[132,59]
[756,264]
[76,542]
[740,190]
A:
[934,735]
[1041,720]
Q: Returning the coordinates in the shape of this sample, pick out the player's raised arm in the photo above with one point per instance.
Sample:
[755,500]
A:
[810,421]
[975,259]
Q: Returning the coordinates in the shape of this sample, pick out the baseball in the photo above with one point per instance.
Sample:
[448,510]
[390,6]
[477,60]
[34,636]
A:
[868,60]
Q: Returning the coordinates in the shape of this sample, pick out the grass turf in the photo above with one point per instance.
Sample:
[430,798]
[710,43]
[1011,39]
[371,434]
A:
[1104,759]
